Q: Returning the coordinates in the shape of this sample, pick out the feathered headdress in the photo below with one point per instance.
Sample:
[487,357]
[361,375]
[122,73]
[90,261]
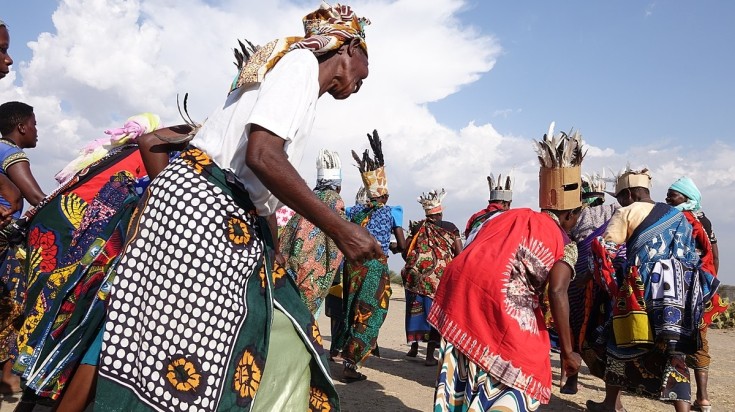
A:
[498,191]
[361,198]
[560,176]
[628,178]
[372,170]
[432,201]
[328,165]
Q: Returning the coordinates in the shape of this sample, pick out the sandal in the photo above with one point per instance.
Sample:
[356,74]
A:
[696,406]
[350,379]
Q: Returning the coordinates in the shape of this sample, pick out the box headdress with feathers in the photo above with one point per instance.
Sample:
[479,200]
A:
[499,189]
[560,176]
[628,178]
[372,170]
[432,201]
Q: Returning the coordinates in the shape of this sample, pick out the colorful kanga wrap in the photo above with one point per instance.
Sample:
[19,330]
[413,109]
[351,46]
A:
[133,128]
[429,252]
[717,305]
[12,295]
[367,287]
[462,386]
[312,258]
[487,304]
[375,182]
[74,239]
[190,313]
[368,295]
[326,29]
[378,219]
[658,294]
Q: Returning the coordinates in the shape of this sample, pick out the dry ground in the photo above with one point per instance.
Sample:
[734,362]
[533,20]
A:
[398,383]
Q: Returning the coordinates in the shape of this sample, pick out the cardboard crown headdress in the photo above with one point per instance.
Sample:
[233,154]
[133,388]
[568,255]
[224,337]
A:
[560,175]
[372,171]
[432,201]
[498,191]
[628,178]
[328,165]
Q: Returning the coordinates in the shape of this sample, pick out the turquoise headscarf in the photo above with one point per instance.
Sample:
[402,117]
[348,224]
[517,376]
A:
[687,187]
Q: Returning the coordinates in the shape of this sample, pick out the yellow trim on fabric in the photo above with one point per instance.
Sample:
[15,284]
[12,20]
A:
[632,329]
[14,158]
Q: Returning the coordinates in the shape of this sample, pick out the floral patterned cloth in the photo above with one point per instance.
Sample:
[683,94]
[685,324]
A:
[74,238]
[191,308]
[368,295]
[312,259]
[429,252]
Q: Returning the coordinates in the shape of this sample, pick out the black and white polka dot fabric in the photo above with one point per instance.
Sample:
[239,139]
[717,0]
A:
[178,301]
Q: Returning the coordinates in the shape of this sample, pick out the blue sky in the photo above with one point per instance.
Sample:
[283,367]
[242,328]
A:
[457,89]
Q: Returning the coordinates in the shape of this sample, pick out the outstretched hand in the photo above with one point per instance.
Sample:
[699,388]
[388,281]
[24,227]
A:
[357,244]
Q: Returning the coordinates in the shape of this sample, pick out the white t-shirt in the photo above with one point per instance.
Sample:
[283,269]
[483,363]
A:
[284,103]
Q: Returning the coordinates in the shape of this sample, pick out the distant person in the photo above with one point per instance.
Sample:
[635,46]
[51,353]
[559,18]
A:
[654,326]
[685,196]
[310,257]
[18,130]
[586,301]
[367,283]
[501,196]
[432,244]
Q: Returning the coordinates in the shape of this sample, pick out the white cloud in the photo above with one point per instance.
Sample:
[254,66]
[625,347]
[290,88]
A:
[109,59]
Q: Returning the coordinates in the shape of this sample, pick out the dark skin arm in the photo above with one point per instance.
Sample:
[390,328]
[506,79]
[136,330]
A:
[457,245]
[400,244]
[12,195]
[559,278]
[154,151]
[267,159]
[716,257]
[20,174]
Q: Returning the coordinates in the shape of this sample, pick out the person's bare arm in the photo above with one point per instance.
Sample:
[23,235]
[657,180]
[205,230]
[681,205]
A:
[20,174]
[559,278]
[457,245]
[154,151]
[400,240]
[716,257]
[266,158]
[9,191]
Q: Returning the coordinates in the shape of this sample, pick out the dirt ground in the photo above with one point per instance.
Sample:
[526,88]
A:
[398,383]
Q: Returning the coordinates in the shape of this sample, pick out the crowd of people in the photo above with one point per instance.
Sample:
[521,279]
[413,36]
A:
[185,267]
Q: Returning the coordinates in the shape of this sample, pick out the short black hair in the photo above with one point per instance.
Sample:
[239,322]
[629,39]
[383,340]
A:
[12,114]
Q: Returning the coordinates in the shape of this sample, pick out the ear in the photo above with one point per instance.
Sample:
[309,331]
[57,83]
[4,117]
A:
[353,47]
[21,128]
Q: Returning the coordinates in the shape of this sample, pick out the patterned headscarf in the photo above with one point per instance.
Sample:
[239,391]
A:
[686,187]
[326,29]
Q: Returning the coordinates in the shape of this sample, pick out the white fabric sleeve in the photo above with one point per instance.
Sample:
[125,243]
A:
[286,94]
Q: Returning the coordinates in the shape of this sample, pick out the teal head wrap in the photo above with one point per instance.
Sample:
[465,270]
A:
[686,187]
